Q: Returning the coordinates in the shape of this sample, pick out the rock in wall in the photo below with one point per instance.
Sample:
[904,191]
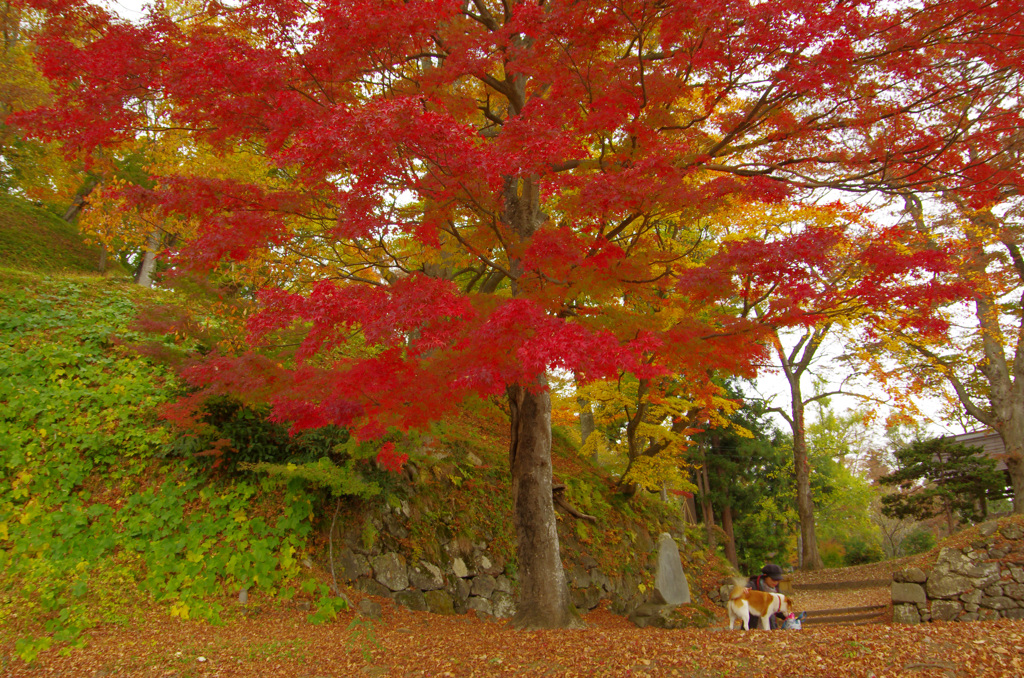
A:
[984,580]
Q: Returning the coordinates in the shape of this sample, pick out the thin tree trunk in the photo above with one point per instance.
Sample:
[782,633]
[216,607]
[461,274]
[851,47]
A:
[543,593]
[79,201]
[811,559]
[690,510]
[587,426]
[730,537]
[793,366]
[145,275]
[706,507]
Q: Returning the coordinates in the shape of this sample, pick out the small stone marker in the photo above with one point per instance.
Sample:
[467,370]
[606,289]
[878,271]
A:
[670,583]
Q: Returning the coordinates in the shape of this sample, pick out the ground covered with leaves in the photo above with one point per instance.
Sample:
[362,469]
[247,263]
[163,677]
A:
[280,642]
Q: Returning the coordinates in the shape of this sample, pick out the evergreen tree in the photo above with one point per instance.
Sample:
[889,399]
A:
[939,477]
[750,487]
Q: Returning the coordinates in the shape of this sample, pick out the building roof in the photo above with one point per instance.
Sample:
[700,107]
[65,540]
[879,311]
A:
[988,440]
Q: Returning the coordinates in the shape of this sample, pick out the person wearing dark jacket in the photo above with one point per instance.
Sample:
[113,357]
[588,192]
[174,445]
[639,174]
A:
[768,581]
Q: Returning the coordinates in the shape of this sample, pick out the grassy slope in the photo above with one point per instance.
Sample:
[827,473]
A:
[94,517]
[31,238]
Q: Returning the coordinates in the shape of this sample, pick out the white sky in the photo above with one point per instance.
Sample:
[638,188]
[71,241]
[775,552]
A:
[126,9]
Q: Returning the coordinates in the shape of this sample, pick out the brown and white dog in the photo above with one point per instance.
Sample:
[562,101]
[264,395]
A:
[744,602]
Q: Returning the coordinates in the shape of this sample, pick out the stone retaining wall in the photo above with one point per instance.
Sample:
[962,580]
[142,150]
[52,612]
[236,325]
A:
[468,576]
[984,580]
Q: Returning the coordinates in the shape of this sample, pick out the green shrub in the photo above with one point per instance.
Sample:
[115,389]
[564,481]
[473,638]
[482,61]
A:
[233,433]
[860,551]
[918,541]
[832,553]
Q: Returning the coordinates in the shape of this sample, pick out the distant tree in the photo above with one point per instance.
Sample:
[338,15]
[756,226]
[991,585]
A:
[835,272]
[877,460]
[646,425]
[745,482]
[939,477]
[29,168]
[894,531]
[918,541]
[843,494]
[764,502]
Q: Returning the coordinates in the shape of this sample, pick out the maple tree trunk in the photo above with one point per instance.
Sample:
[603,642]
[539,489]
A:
[1012,434]
[1005,377]
[1009,424]
[543,593]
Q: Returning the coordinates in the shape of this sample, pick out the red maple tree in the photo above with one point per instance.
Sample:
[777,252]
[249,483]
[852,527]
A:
[476,185]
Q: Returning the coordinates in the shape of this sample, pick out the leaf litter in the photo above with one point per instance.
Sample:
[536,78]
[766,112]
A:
[278,641]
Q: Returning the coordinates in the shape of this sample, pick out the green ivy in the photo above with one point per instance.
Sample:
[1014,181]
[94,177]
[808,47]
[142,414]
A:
[93,515]
[340,480]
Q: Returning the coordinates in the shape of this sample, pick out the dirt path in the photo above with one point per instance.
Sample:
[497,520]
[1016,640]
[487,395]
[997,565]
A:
[845,598]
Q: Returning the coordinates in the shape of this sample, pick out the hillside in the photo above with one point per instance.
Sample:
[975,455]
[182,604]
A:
[108,512]
[32,238]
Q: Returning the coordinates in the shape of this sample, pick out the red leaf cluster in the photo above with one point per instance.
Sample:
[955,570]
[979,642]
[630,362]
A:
[389,459]
[415,132]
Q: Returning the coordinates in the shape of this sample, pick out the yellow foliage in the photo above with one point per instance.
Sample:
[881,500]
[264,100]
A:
[595,445]
[180,609]
[666,468]
[39,169]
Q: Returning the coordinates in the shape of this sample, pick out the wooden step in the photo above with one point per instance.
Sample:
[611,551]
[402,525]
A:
[842,618]
[840,585]
[846,610]
[867,614]
[845,622]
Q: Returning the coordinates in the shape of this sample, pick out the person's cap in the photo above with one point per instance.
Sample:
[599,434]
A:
[774,571]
